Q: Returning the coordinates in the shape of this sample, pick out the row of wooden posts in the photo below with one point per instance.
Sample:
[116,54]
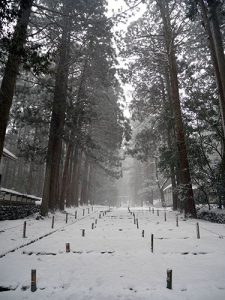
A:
[169,271]
[34,280]
[34,273]
[53,219]
[165,219]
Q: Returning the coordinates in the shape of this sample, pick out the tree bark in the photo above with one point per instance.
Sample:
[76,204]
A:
[75,177]
[85,181]
[12,67]
[188,196]
[217,52]
[65,176]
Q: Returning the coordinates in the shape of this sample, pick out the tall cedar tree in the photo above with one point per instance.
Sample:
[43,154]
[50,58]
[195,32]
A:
[51,191]
[189,204]
[12,66]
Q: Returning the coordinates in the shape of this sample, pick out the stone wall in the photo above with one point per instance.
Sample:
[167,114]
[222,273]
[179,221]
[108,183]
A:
[13,212]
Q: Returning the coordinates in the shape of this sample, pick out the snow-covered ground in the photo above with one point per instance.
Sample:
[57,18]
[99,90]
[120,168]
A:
[113,260]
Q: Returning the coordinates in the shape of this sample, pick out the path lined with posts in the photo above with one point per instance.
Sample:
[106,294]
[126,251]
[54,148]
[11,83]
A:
[121,254]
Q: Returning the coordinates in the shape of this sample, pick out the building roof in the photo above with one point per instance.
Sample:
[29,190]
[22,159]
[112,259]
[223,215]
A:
[6,153]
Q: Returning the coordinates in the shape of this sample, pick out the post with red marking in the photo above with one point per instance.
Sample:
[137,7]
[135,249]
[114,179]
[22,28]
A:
[33,286]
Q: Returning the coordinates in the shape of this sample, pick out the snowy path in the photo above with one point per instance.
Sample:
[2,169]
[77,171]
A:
[114,261]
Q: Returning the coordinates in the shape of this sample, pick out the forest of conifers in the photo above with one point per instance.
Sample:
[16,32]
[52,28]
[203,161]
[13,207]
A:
[63,68]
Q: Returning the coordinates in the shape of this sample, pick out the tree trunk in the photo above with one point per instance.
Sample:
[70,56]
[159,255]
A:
[170,136]
[188,197]
[65,176]
[217,53]
[69,179]
[85,181]
[51,184]
[12,67]
[75,177]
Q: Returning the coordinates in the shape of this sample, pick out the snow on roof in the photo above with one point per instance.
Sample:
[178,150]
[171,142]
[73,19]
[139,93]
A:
[8,154]
[20,194]
[194,187]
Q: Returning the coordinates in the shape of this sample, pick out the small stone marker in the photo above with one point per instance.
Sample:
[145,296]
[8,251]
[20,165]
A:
[24,229]
[83,211]
[67,247]
[177,221]
[165,216]
[169,279]
[137,223]
[66,218]
[83,232]
[92,225]
[33,286]
[53,221]
[75,214]
[143,233]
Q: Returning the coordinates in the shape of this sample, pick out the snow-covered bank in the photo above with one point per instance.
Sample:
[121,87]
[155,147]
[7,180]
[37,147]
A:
[114,261]
[214,215]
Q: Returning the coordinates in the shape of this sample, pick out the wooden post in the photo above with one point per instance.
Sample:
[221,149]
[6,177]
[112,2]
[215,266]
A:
[165,216]
[83,232]
[134,220]
[143,233]
[75,214]
[92,225]
[33,286]
[152,242]
[169,279]
[67,247]
[177,221]
[197,230]
[53,221]
[24,229]
[83,211]
[137,223]
[66,218]
[157,212]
